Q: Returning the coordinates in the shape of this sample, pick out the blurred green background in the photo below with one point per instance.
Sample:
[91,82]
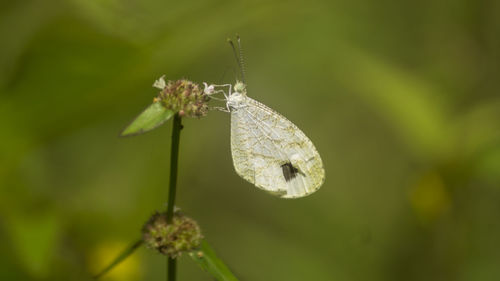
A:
[401,98]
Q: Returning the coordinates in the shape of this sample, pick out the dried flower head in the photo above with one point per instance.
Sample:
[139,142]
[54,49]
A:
[182,235]
[183,97]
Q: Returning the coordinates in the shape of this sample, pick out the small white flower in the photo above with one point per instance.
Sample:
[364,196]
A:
[208,89]
[160,83]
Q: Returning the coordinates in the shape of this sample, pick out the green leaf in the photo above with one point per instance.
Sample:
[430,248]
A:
[205,257]
[123,255]
[151,118]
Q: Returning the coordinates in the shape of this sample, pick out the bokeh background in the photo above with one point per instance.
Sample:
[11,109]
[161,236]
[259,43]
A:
[401,98]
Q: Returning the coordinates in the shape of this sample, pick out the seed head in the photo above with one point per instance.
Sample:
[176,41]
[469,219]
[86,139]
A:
[182,235]
[183,97]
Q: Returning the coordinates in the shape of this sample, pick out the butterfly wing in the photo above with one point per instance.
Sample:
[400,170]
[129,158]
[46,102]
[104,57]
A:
[272,153]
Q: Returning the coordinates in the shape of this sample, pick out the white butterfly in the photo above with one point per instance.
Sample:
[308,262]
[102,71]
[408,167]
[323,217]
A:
[268,150]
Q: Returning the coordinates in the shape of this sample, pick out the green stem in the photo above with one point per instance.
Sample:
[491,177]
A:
[171,269]
[174,156]
[120,258]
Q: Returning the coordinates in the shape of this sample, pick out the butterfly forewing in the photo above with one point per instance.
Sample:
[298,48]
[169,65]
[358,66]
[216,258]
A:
[272,153]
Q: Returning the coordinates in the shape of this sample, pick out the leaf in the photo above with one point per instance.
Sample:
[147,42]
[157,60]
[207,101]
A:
[120,258]
[151,118]
[205,257]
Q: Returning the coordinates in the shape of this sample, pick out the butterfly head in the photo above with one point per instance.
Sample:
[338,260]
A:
[240,87]
[237,98]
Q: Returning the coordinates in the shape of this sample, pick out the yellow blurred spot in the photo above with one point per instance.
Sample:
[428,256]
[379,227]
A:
[429,198]
[105,253]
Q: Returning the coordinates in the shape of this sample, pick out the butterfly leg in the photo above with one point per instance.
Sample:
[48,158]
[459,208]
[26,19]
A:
[223,109]
[229,86]
[218,92]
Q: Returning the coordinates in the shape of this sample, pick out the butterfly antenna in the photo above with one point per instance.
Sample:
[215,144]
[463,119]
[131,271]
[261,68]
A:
[237,57]
[242,62]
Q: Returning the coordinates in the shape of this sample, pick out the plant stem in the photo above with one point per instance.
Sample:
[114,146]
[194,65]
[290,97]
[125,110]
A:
[174,156]
[171,269]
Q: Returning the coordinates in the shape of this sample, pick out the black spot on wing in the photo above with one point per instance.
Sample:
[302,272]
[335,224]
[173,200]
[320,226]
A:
[289,171]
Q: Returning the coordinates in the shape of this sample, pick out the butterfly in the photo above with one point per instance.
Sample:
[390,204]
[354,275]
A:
[268,150]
